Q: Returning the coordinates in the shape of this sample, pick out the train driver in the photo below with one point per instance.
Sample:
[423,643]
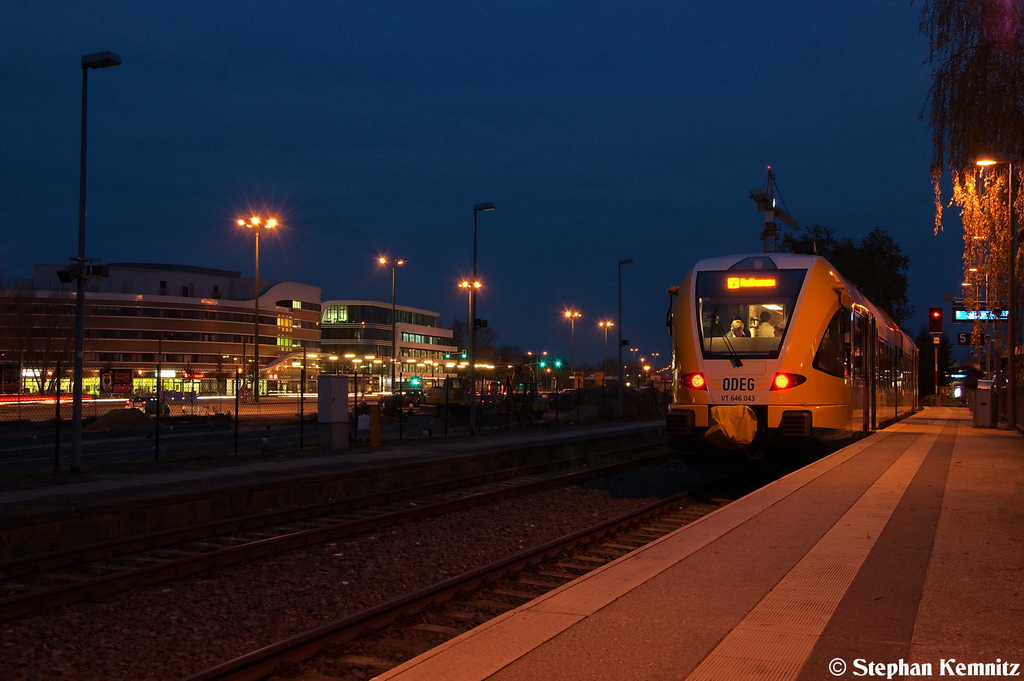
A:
[737,329]
[766,330]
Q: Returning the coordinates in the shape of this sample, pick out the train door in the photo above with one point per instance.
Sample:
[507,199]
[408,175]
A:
[858,362]
[871,371]
[898,378]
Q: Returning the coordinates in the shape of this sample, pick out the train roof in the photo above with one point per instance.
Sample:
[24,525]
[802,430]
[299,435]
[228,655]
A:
[785,261]
[750,261]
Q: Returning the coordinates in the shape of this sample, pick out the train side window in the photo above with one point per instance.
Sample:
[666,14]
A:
[831,354]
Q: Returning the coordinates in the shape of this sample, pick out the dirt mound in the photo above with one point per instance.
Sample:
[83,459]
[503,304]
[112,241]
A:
[121,418]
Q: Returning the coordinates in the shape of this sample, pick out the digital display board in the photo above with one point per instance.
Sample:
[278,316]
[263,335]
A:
[970,316]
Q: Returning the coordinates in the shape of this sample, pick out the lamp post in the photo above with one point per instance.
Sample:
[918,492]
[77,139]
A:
[470,288]
[605,325]
[1011,331]
[621,263]
[604,367]
[572,316]
[100,60]
[394,318]
[256,224]
[472,324]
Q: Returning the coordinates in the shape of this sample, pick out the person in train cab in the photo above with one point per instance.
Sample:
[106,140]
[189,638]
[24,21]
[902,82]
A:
[766,330]
[737,329]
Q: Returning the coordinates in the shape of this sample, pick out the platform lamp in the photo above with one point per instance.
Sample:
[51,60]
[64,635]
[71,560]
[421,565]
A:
[100,60]
[621,263]
[572,316]
[394,319]
[605,325]
[256,223]
[472,324]
[1011,331]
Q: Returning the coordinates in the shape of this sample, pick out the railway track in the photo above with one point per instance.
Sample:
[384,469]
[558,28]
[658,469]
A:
[380,638]
[35,584]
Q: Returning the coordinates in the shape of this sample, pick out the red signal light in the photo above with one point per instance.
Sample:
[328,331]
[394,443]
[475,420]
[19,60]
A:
[694,381]
[783,381]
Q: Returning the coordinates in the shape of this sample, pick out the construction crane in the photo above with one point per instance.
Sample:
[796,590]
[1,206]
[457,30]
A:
[766,203]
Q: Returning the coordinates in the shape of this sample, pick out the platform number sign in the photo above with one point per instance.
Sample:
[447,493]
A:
[965,338]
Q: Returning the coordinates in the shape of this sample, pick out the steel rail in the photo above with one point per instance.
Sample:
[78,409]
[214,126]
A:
[261,663]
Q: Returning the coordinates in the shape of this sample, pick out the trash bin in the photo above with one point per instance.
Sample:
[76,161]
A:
[985,412]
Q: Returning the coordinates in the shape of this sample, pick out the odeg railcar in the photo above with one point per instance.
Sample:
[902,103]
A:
[777,355]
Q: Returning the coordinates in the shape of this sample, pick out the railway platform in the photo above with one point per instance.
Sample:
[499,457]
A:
[900,556]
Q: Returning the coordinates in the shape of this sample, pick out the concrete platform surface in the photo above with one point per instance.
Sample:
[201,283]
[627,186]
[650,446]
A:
[900,555]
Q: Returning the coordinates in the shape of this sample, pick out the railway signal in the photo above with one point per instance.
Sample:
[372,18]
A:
[935,319]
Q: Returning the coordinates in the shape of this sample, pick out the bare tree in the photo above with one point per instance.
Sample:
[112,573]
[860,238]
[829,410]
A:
[37,332]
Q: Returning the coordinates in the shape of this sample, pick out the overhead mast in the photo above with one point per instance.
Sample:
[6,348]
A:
[766,203]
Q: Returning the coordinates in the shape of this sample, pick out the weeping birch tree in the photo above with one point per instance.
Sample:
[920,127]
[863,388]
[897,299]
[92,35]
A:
[977,109]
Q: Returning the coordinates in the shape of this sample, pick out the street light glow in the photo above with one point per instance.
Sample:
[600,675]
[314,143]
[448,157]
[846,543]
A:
[254,224]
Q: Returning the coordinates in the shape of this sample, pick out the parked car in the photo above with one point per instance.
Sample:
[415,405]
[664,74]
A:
[413,397]
[147,405]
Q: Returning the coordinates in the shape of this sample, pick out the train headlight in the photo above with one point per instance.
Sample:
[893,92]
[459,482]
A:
[786,381]
[694,381]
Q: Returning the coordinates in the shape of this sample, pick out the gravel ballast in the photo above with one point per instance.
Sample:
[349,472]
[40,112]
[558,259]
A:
[174,629]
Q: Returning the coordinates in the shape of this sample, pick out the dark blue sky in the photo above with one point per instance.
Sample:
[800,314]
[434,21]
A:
[602,131]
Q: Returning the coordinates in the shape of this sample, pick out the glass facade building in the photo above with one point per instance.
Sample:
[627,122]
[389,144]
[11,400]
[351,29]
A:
[357,335]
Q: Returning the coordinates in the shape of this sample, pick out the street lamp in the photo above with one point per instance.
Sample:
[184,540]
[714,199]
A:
[572,316]
[472,324]
[605,325]
[1011,331]
[256,224]
[621,263]
[100,60]
[394,318]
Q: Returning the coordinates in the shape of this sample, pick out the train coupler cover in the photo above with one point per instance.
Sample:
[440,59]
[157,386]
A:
[732,426]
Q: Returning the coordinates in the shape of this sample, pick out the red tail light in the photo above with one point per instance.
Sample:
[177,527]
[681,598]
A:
[694,381]
[786,381]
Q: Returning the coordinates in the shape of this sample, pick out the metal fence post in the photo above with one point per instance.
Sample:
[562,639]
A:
[56,448]
[302,402]
[236,411]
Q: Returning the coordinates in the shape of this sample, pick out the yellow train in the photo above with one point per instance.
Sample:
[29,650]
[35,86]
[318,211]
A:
[776,354]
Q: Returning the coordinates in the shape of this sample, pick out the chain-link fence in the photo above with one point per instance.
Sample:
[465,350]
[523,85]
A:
[35,432]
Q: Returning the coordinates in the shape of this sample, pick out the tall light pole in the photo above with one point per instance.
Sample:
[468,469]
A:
[470,287]
[100,60]
[605,325]
[1011,332]
[621,263]
[256,224]
[394,318]
[472,324]
[572,316]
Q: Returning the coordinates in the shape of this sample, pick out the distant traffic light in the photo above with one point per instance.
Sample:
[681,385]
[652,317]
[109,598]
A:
[415,382]
[935,320]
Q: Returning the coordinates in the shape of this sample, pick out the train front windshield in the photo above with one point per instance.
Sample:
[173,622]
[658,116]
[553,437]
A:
[744,314]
